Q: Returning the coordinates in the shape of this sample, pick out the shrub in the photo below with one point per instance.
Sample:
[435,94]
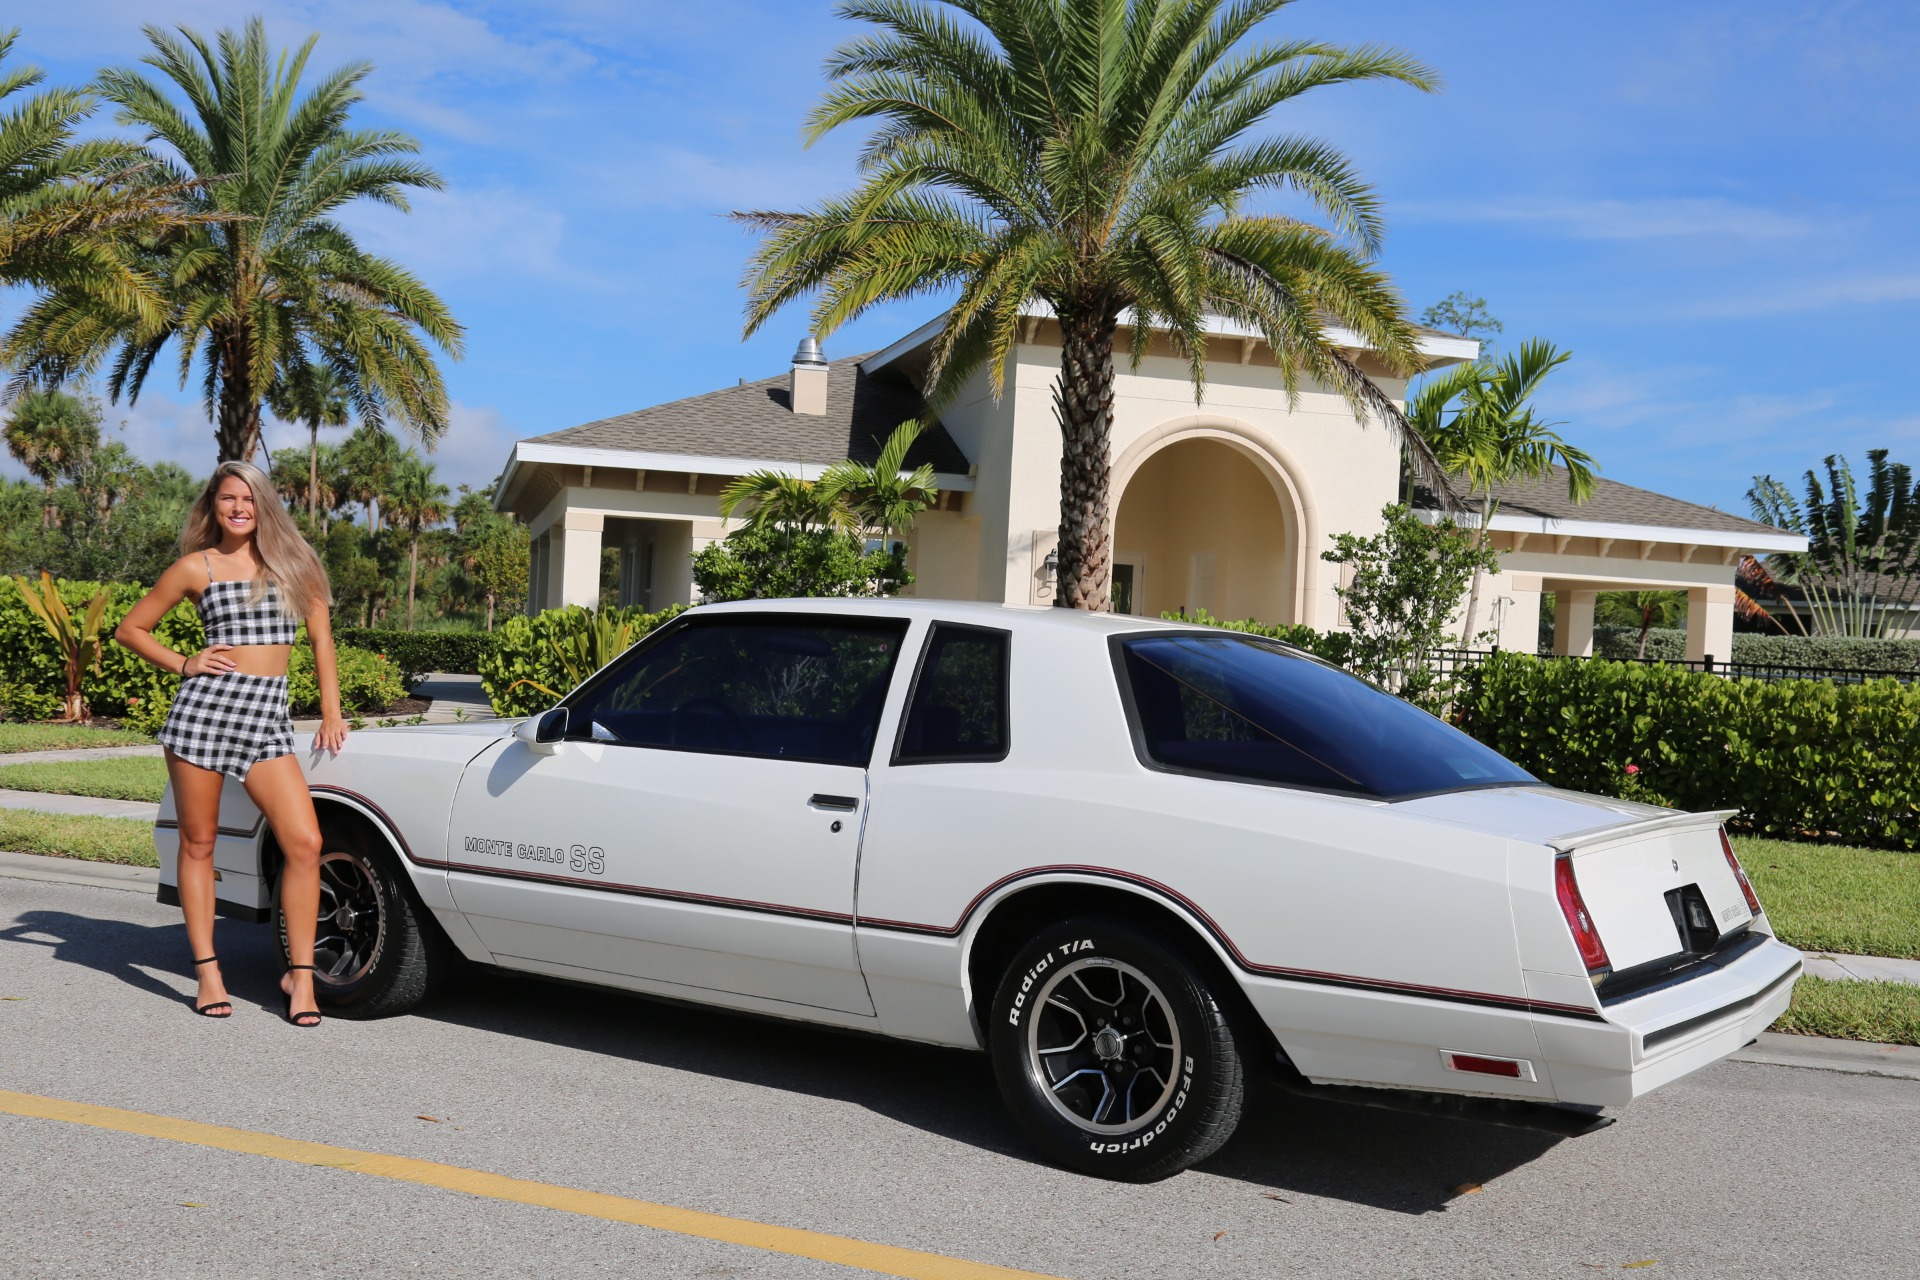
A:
[418,652]
[540,648]
[1833,653]
[1798,758]
[761,562]
[368,682]
[32,667]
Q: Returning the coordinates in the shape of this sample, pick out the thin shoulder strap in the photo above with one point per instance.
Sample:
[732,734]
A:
[209,564]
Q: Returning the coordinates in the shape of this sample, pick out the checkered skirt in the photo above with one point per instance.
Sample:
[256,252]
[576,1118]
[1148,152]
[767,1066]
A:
[229,722]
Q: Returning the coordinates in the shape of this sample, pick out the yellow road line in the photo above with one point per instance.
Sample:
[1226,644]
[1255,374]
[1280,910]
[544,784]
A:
[911,1264]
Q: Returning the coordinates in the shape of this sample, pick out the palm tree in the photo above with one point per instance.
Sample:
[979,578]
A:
[776,498]
[414,500]
[272,278]
[330,476]
[49,433]
[1477,421]
[883,494]
[1643,609]
[1093,155]
[70,210]
[313,394]
[368,457]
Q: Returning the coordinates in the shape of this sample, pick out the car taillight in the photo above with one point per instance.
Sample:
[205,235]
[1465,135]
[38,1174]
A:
[1593,953]
[1739,873]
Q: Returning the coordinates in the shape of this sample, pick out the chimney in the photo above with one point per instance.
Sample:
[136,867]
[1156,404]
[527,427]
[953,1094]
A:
[807,389]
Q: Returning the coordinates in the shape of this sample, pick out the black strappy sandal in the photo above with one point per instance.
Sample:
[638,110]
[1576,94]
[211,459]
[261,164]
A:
[295,1018]
[213,1008]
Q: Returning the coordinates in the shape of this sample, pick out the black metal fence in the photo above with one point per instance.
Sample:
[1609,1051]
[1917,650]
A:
[1447,662]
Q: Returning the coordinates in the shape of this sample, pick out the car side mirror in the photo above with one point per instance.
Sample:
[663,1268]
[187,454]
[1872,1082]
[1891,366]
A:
[543,732]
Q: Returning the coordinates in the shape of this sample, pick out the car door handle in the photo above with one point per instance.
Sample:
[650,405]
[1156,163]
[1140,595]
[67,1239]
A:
[847,803]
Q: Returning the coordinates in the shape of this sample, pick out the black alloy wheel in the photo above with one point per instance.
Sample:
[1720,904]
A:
[1112,1054]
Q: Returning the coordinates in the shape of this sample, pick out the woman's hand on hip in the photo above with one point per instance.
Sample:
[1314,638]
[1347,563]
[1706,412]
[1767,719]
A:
[331,735]
[210,661]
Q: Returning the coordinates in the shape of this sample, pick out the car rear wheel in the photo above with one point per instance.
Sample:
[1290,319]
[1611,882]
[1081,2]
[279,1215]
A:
[1112,1054]
[375,952]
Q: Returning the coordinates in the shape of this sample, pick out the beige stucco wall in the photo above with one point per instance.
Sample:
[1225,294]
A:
[1205,530]
[943,550]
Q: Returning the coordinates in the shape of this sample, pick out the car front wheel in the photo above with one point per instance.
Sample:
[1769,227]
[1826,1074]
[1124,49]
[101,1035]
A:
[375,952]
[1112,1054]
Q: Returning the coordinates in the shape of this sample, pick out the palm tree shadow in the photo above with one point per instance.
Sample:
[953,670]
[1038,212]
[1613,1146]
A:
[1388,1160]
[130,952]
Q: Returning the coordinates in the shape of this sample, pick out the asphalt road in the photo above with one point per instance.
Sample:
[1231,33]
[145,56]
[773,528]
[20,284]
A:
[1744,1170]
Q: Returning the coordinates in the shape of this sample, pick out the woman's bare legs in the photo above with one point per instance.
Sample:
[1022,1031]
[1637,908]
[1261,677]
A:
[279,790]
[196,801]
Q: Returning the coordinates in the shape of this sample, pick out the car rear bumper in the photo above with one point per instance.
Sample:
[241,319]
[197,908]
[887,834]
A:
[1653,1039]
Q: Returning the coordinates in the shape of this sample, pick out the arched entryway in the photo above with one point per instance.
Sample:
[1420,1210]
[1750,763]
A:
[1202,525]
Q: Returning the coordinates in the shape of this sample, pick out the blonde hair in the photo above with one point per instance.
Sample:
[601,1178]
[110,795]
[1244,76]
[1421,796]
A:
[290,563]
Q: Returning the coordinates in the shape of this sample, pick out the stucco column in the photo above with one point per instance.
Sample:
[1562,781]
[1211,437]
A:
[1710,623]
[580,557]
[1573,623]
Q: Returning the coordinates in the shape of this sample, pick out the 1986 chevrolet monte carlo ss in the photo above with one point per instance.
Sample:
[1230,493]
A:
[1134,861]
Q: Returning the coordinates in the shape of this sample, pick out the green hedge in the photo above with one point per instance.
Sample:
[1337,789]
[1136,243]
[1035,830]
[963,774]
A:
[1798,758]
[418,652]
[1335,646]
[524,649]
[1842,653]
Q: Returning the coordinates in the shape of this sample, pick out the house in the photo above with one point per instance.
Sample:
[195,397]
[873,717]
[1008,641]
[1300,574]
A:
[1222,505]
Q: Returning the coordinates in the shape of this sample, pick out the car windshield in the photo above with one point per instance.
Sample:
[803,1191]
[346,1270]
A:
[1235,706]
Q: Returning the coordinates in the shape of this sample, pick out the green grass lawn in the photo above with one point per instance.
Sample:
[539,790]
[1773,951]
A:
[1885,1012]
[65,835]
[115,778]
[1829,897]
[63,737]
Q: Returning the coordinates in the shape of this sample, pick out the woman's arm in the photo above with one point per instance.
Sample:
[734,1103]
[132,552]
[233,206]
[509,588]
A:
[135,631]
[326,669]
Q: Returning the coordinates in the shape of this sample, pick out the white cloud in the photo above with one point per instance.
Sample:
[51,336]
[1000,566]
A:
[1672,218]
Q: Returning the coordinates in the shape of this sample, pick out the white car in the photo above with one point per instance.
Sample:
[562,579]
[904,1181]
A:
[1134,861]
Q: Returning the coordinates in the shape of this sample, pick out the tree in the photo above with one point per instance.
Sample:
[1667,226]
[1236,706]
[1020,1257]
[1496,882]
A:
[49,433]
[884,495]
[1477,420]
[1643,609]
[769,561]
[1861,568]
[776,498]
[313,394]
[79,639]
[414,499]
[1407,581]
[1093,156]
[498,562]
[368,458]
[270,278]
[1467,315]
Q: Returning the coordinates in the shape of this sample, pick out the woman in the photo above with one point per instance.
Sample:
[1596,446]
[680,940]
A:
[253,578]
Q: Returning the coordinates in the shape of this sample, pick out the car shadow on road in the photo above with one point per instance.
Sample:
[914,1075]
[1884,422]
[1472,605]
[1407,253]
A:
[132,952]
[1388,1160]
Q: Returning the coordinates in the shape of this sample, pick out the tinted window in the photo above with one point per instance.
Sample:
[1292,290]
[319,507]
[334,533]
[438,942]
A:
[784,687]
[1233,706]
[959,709]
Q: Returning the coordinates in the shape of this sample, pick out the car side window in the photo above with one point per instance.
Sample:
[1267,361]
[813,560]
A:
[778,686]
[959,706]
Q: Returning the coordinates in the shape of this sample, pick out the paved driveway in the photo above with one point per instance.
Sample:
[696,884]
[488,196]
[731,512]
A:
[1746,1170]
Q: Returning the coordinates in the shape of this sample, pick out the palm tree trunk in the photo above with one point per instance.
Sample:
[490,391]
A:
[1473,595]
[46,512]
[237,431]
[1646,629]
[489,610]
[413,573]
[313,470]
[1083,403]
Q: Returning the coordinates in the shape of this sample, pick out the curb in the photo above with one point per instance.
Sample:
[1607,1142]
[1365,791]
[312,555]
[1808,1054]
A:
[99,875]
[1855,1057]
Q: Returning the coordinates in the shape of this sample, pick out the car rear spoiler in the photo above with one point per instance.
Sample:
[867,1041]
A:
[1622,832]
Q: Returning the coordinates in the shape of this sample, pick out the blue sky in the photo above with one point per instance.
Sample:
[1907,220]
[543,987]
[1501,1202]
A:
[1711,204]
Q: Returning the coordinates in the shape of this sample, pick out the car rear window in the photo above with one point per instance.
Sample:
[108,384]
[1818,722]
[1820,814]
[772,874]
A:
[1236,707]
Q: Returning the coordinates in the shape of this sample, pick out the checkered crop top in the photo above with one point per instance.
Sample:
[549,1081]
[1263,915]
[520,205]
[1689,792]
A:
[230,618]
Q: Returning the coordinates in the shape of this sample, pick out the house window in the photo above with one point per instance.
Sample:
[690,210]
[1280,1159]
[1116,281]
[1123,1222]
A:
[958,709]
[890,545]
[1125,576]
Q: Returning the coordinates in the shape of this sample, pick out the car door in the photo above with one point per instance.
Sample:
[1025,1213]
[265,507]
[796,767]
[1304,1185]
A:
[699,824]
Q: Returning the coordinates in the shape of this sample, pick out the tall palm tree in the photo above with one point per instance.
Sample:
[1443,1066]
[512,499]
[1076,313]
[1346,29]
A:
[69,208]
[313,394]
[369,457]
[273,277]
[413,501]
[49,433]
[1093,155]
[1478,423]
[883,494]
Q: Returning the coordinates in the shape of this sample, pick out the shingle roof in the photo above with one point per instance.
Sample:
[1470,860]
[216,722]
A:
[1611,503]
[755,421]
